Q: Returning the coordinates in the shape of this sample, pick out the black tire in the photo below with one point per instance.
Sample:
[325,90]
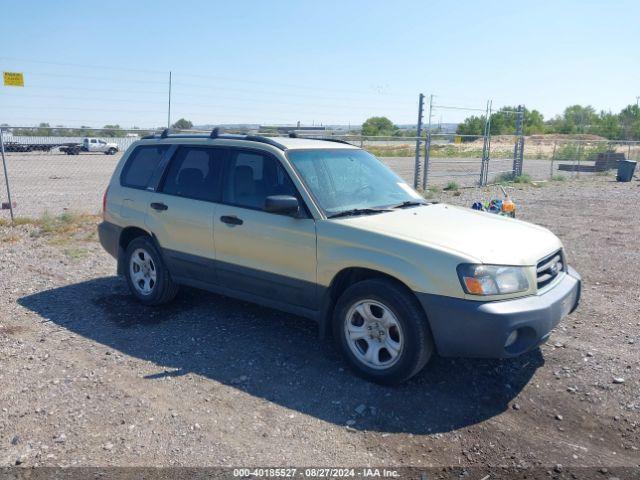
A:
[111,151]
[164,288]
[417,341]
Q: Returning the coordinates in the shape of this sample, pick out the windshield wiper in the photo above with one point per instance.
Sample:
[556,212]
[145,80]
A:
[410,203]
[358,211]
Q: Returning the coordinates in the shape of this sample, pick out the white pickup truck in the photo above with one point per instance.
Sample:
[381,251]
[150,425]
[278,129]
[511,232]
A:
[90,145]
[98,145]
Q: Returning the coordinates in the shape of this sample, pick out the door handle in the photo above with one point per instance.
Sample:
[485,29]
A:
[231,220]
[159,206]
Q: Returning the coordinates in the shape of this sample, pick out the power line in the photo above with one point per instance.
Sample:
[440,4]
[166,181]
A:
[192,75]
[331,107]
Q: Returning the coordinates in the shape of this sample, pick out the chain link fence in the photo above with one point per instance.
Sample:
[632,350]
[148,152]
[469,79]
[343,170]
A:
[69,171]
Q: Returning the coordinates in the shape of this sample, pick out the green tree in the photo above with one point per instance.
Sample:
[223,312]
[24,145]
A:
[182,124]
[43,130]
[112,131]
[378,126]
[578,119]
[608,126]
[503,122]
[533,122]
[473,125]
[629,120]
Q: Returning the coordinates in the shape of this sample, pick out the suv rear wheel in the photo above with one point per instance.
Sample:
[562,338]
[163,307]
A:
[147,276]
[382,331]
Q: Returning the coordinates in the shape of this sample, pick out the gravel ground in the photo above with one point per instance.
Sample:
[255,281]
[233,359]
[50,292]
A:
[55,182]
[89,377]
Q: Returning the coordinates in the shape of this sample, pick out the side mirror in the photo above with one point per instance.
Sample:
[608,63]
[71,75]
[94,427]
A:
[282,204]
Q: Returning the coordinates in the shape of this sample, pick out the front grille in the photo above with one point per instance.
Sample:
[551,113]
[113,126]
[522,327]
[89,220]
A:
[549,267]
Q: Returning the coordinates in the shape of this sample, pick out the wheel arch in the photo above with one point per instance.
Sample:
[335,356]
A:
[127,235]
[343,280]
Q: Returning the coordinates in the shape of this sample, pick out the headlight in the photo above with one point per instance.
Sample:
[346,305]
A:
[492,279]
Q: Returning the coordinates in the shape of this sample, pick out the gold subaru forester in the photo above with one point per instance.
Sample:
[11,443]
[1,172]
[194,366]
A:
[323,229]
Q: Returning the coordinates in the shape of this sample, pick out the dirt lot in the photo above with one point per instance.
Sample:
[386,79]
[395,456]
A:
[89,377]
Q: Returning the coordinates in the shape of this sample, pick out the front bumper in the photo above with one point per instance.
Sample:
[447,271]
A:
[468,328]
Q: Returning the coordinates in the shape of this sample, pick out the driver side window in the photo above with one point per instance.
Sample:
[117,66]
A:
[252,177]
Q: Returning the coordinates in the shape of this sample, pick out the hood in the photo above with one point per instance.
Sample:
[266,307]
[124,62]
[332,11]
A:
[482,237]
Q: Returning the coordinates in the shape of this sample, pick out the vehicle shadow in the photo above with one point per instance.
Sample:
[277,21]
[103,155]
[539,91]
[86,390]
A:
[278,357]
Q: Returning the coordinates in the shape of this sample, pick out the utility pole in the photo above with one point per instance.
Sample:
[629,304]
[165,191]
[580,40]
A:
[416,168]
[169,110]
[637,100]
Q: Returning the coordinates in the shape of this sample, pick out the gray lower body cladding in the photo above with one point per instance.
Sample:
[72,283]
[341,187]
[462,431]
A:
[109,235]
[468,328]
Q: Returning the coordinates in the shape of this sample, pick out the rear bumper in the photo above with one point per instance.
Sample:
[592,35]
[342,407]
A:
[467,328]
[109,235]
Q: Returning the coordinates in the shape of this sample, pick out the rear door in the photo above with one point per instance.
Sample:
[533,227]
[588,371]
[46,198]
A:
[137,182]
[182,209]
[265,254]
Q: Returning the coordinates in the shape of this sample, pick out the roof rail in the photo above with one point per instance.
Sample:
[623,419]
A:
[215,134]
[267,140]
[325,139]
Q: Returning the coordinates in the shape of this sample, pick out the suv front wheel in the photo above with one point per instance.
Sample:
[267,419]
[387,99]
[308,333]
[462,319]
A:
[148,278]
[382,331]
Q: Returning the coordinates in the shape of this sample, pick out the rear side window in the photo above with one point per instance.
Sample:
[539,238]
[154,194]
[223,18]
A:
[141,165]
[195,172]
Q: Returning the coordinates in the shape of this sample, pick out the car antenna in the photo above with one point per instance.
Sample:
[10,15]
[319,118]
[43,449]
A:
[214,133]
[165,133]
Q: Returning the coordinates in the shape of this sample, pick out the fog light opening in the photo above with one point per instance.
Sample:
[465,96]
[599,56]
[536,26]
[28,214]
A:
[511,339]
[522,339]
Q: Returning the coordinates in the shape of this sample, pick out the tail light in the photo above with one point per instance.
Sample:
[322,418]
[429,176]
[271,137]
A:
[104,202]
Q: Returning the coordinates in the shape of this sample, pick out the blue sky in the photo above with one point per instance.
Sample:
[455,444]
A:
[278,61]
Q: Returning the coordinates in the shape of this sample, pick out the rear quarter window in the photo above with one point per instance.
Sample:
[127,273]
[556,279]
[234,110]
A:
[141,165]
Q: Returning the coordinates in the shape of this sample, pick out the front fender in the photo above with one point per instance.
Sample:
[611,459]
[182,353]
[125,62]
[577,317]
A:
[421,268]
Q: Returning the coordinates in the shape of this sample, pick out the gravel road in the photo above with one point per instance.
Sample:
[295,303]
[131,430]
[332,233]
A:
[89,377]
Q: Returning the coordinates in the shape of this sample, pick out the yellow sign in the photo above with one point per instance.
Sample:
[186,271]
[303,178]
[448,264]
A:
[457,139]
[13,79]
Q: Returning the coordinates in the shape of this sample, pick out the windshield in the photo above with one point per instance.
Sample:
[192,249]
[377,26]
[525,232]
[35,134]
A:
[342,180]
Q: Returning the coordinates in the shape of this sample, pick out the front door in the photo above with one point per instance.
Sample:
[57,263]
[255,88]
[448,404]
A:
[265,254]
[181,212]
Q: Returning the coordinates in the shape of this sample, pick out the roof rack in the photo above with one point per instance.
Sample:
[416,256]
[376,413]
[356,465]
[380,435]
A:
[325,139]
[215,134]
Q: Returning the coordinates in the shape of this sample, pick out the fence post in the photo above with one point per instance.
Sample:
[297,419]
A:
[416,167]
[6,177]
[553,157]
[518,149]
[484,164]
[427,157]
[427,148]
